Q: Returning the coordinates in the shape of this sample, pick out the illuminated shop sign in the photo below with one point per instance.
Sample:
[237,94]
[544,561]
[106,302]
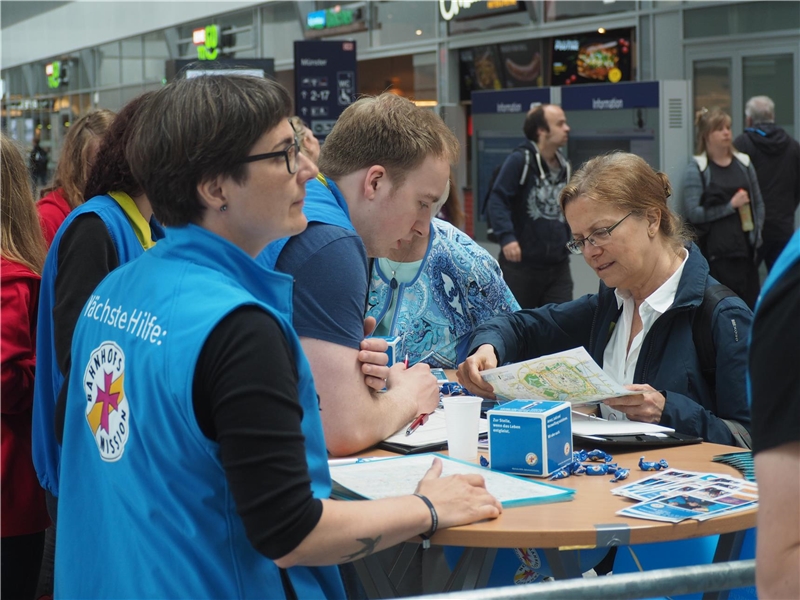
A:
[207,41]
[53,72]
[330,18]
[469,9]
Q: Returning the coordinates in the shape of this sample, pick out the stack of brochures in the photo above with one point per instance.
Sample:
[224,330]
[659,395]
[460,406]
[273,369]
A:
[675,496]
[399,476]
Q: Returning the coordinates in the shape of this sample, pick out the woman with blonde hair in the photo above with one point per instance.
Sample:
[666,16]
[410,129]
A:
[723,201]
[74,164]
[22,252]
[638,326]
[309,144]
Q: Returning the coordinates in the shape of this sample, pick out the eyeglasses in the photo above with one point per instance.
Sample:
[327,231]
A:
[598,238]
[291,154]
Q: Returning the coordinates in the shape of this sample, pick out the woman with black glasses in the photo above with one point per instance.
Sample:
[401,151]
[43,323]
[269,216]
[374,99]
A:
[639,325]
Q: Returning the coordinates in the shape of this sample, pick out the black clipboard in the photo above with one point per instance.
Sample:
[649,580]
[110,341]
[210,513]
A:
[409,449]
[638,440]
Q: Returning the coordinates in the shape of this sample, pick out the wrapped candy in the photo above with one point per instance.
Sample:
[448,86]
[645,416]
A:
[653,466]
[601,469]
[560,474]
[452,388]
[620,474]
[599,456]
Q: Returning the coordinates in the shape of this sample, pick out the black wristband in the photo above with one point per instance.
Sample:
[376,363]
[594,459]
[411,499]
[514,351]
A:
[426,537]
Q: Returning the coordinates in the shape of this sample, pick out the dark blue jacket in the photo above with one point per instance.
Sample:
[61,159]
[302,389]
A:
[529,212]
[668,360]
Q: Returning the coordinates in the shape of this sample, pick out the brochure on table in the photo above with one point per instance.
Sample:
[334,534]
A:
[400,476]
[676,496]
[570,376]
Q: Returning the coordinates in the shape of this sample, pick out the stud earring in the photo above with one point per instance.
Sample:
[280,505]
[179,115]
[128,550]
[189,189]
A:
[223,208]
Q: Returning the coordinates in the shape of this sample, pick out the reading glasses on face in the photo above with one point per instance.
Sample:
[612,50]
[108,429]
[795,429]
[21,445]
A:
[598,238]
[291,154]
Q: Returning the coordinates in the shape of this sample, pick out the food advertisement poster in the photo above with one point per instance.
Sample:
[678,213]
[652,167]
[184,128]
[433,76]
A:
[501,66]
[592,58]
[521,63]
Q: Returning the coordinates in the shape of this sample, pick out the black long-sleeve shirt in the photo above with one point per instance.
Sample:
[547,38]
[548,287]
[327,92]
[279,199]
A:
[244,395]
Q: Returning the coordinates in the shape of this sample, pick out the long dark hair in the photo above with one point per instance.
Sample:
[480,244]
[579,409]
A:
[111,171]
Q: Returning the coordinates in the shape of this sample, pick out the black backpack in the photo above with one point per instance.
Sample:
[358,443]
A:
[490,234]
[707,353]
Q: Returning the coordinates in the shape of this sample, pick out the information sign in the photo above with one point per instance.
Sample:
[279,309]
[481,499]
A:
[325,82]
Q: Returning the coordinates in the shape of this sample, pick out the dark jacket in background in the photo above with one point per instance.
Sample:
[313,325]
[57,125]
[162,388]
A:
[776,158]
[526,213]
[668,360]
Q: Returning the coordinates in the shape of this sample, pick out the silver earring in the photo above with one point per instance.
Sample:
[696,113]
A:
[223,208]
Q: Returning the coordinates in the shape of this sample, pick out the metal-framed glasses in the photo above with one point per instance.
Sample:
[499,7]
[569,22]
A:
[598,238]
[291,154]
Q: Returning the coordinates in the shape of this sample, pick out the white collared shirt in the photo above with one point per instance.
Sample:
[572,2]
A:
[619,362]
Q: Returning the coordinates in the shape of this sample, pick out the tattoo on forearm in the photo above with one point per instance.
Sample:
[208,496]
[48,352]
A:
[369,547]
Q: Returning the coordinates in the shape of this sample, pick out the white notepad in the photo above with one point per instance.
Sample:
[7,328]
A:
[400,476]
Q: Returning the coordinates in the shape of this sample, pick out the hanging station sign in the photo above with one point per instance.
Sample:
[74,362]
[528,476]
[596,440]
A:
[207,39]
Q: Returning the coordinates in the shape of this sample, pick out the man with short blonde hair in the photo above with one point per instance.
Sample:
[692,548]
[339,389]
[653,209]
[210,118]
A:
[385,164]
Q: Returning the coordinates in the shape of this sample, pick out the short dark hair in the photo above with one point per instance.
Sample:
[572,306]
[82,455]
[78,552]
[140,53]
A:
[197,129]
[534,121]
[110,171]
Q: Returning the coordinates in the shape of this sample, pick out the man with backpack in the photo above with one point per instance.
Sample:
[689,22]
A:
[524,212]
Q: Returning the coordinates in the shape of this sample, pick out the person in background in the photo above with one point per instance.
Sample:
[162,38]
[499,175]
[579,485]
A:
[218,456]
[309,144]
[638,327]
[38,161]
[22,252]
[433,291]
[451,210]
[523,211]
[723,201]
[384,166]
[72,171]
[111,228]
[776,158]
[775,402]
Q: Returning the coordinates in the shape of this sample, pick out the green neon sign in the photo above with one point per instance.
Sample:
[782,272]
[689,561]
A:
[209,50]
[53,71]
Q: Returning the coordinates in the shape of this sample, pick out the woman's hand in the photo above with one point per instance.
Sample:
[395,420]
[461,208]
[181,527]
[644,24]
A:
[458,499]
[740,198]
[645,407]
[469,371]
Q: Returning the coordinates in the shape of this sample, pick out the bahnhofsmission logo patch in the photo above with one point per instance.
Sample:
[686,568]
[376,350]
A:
[107,411]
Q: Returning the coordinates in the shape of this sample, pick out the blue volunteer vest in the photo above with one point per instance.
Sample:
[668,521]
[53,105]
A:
[145,509]
[46,450]
[324,203]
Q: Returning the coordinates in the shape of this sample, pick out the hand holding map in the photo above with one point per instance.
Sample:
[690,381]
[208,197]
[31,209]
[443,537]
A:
[570,376]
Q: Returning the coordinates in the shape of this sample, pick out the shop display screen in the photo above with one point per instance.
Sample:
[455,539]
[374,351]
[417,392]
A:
[592,58]
[500,66]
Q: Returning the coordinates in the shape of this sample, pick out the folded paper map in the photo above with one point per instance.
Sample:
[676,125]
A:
[570,376]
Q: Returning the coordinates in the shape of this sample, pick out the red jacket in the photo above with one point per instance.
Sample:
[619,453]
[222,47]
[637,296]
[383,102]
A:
[23,505]
[53,209]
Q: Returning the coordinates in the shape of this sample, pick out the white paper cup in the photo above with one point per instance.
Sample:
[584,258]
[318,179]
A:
[462,416]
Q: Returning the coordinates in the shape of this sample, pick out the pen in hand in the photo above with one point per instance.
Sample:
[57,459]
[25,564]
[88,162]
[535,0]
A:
[405,362]
[420,420]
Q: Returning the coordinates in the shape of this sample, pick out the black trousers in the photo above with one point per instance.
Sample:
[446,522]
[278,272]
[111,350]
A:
[536,285]
[21,560]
